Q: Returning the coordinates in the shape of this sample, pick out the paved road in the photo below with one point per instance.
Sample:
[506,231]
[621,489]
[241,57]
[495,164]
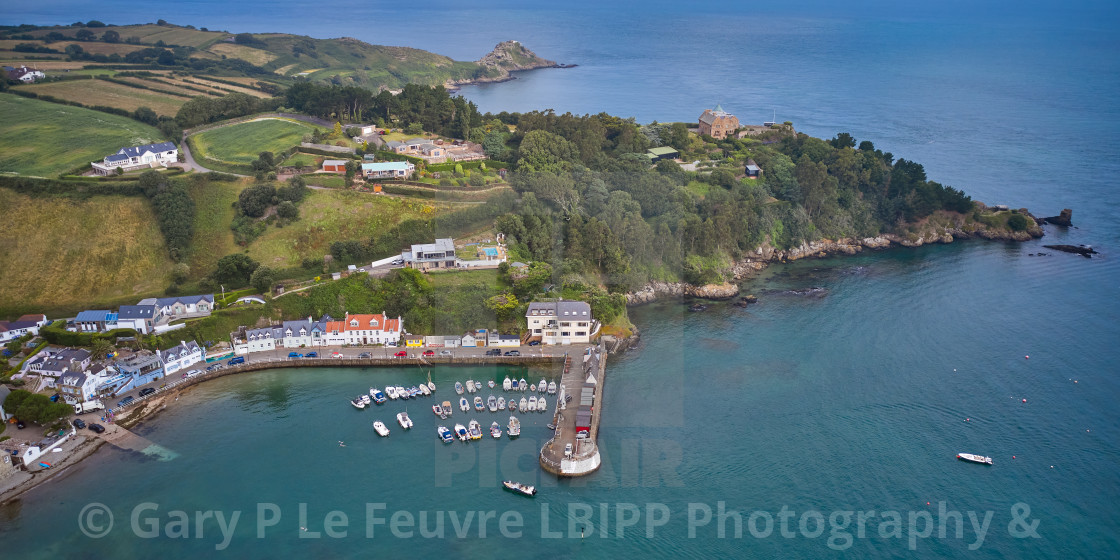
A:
[190,164]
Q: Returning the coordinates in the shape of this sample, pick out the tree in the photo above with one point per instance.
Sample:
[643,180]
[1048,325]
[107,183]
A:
[541,150]
[352,168]
[254,201]
[101,348]
[337,129]
[295,190]
[235,269]
[263,278]
[95,23]
[503,305]
[85,35]
[180,272]
[843,140]
[1018,222]
[111,36]
[287,210]
[414,128]
[146,115]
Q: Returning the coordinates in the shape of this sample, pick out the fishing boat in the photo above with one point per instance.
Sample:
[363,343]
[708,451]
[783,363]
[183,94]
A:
[542,386]
[490,383]
[523,405]
[492,404]
[495,431]
[391,391]
[542,406]
[518,488]
[507,384]
[380,428]
[515,385]
[461,432]
[378,396]
[974,458]
[358,404]
[501,403]
[523,384]
[446,408]
[478,404]
[533,403]
[424,390]
[475,429]
[512,405]
[458,388]
[404,420]
[445,434]
[552,387]
[438,411]
[514,427]
[463,405]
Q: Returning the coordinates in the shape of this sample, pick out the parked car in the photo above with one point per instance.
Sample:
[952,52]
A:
[493,352]
[213,367]
[444,352]
[312,355]
[54,397]
[429,352]
[192,373]
[365,355]
[568,451]
[535,343]
[125,401]
[147,391]
[79,423]
[337,355]
[20,425]
[513,353]
[391,344]
[237,360]
[96,428]
[401,354]
[295,355]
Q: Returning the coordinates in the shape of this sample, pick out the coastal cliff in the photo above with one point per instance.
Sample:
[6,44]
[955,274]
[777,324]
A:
[948,228]
[507,57]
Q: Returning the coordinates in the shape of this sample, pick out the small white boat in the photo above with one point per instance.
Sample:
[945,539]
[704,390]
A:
[366,400]
[475,429]
[471,386]
[446,408]
[463,404]
[458,388]
[378,396]
[495,431]
[523,405]
[403,393]
[438,411]
[424,390]
[501,403]
[533,388]
[512,405]
[974,458]
[515,385]
[492,404]
[392,392]
[542,406]
[518,488]
[532,404]
[542,386]
[490,383]
[507,384]
[404,420]
[431,386]
[445,434]
[380,428]
[478,404]
[523,385]
[461,432]
[358,404]
[552,387]
[514,427]
[372,391]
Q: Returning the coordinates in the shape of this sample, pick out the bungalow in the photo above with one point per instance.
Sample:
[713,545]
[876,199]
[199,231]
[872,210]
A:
[182,307]
[469,341]
[180,357]
[99,320]
[398,169]
[397,147]
[414,341]
[24,74]
[334,165]
[440,254]
[140,318]
[507,340]
[27,324]
[432,151]
[138,157]
[657,154]
[560,322]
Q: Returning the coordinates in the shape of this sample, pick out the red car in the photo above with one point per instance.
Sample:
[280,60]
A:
[429,352]
[401,354]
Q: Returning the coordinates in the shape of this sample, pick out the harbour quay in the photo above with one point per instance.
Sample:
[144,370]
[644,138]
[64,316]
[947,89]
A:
[573,449]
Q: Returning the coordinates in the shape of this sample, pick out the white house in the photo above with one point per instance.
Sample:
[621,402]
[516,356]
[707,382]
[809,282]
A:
[304,333]
[560,322]
[506,340]
[398,169]
[367,329]
[138,157]
[180,357]
[25,74]
[424,256]
[60,363]
[257,340]
[141,318]
[81,386]
[181,307]
[27,324]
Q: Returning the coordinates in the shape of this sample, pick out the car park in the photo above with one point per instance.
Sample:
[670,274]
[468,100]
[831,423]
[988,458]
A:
[96,428]
[147,391]
[79,423]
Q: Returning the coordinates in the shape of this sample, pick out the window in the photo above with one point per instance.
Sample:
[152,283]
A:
[565,333]
[581,333]
[536,331]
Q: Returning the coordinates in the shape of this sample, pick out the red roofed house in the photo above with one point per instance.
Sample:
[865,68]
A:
[370,329]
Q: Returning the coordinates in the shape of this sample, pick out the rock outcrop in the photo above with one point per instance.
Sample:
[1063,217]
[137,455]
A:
[1064,219]
[656,290]
[507,56]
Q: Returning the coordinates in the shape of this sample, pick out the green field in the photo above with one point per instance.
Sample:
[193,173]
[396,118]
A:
[240,144]
[212,217]
[32,133]
[59,254]
[100,92]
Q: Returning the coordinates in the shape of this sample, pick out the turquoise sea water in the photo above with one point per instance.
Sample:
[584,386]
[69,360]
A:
[855,397]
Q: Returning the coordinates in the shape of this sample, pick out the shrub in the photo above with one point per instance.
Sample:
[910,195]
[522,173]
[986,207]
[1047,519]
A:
[1018,222]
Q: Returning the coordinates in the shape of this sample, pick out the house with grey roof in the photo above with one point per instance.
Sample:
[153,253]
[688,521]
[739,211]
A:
[11,330]
[143,367]
[182,307]
[81,386]
[59,363]
[560,322]
[141,318]
[148,156]
[180,357]
[424,256]
[96,320]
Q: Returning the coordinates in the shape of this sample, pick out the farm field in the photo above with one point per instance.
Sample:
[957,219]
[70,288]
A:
[240,144]
[99,251]
[31,128]
[100,92]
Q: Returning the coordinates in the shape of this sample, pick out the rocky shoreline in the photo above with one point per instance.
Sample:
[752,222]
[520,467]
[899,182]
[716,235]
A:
[760,258]
[507,58]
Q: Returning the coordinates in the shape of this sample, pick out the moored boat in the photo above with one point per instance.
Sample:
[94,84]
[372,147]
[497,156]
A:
[358,404]
[403,393]
[458,388]
[515,385]
[490,383]
[512,405]
[366,400]
[501,403]
[378,396]
[492,403]
[523,405]
[542,406]
[474,429]
[391,391]
[495,430]
[438,411]
[533,388]
[478,404]
[445,434]
[463,404]
[431,386]
[461,432]
[552,387]
[523,385]
[446,408]
[969,457]
[404,420]
[414,391]
[424,390]
[507,384]
[518,488]
[542,386]
[532,403]
[514,427]
[380,428]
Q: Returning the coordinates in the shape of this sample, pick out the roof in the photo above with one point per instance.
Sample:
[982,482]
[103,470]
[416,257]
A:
[33,317]
[710,116]
[445,244]
[115,158]
[137,312]
[562,308]
[662,151]
[386,166]
[95,315]
[418,141]
[176,352]
[753,167]
[394,144]
[185,300]
[135,151]
[327,162]
[508,337]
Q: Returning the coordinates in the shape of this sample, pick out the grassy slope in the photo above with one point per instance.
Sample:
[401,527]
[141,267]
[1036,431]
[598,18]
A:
[65,254]
[101,92]
[32,131]
[240,144]
[327,216]
[213,215]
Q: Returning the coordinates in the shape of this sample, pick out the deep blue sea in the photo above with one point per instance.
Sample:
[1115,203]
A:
[798,413]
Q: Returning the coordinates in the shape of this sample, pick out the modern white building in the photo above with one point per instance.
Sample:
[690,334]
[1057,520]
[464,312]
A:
[394,169]
[424,256]
[181,307]
[132,158]
[140,318]
[81,386]
[560,322]
[180,357]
